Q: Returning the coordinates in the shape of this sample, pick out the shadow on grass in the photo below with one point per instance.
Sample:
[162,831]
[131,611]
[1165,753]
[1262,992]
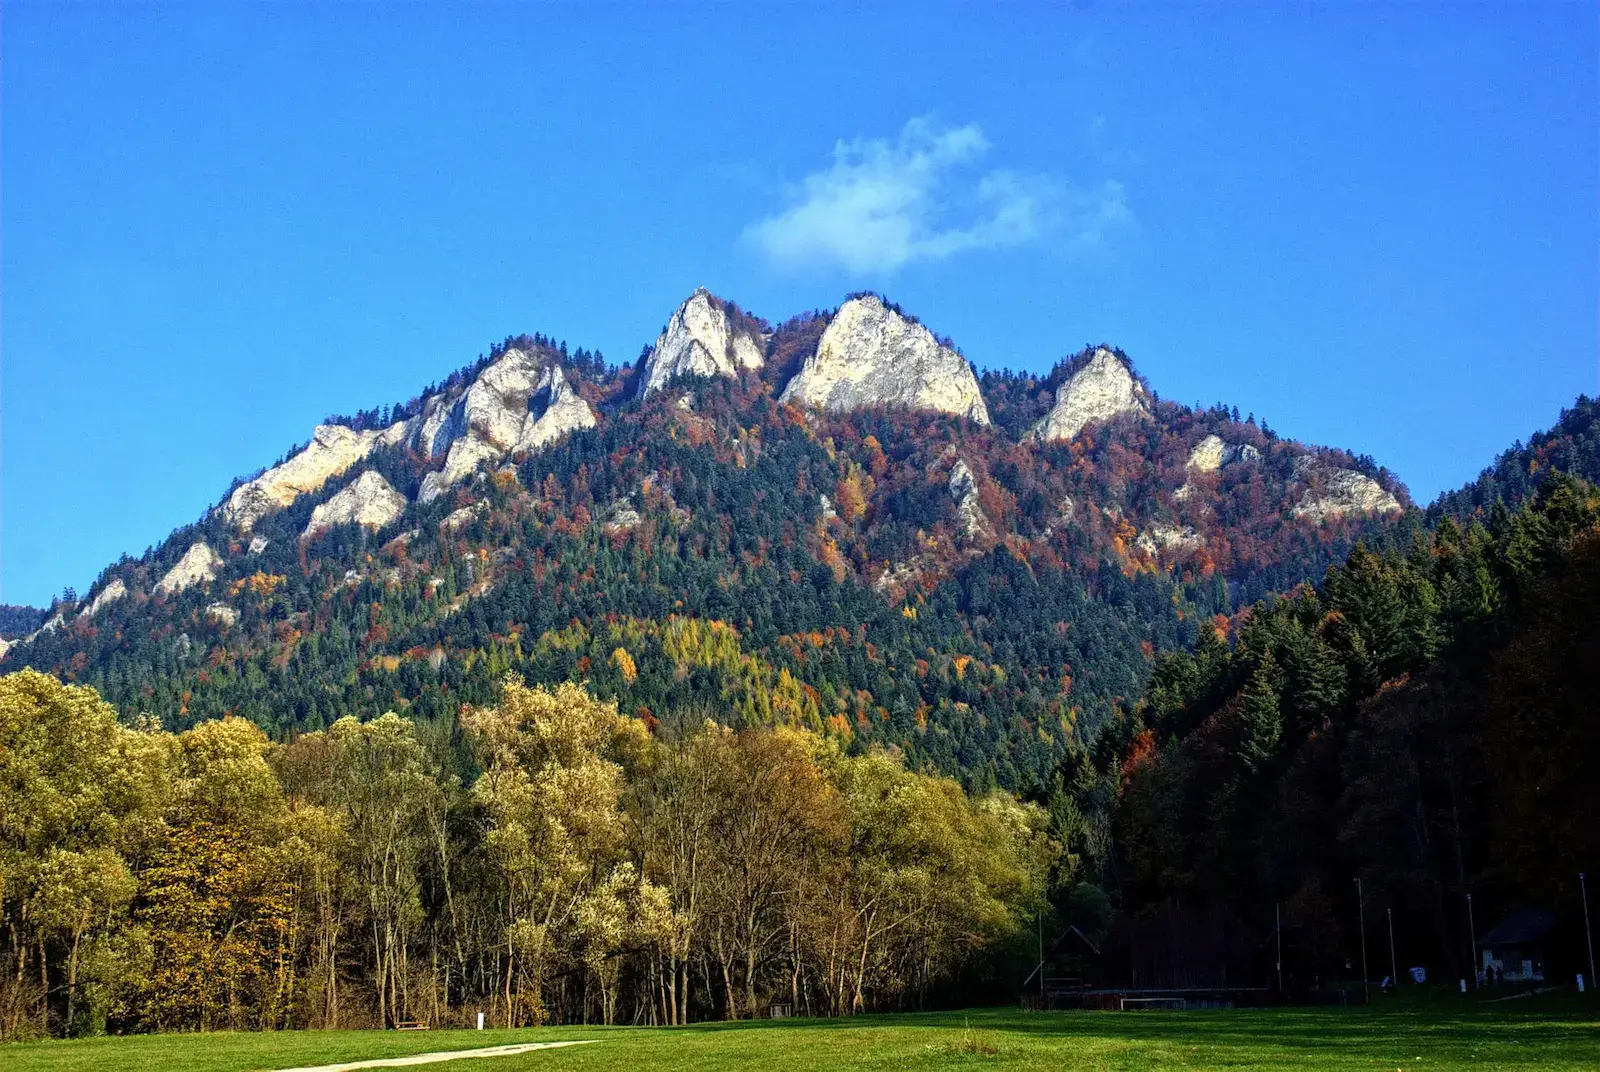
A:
[1461,1032]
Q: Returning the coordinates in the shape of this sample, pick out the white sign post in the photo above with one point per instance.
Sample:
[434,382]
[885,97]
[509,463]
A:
[480,1020]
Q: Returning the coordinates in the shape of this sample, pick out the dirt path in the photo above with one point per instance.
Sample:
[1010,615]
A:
[443,1055]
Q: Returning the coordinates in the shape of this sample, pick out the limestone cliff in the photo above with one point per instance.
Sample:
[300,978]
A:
[700,340]
[1102,389]
[1332,492]
[333,450]
[369,501]
[1213,452]
[199,565]
[870,355]
[112,592]
[519,404]
[963,489]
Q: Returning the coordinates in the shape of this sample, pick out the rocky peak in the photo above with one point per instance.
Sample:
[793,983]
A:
[369,501]
[1333,492]
[870,355]
[199,565]
[1101,390]
[700,340]
[519,404]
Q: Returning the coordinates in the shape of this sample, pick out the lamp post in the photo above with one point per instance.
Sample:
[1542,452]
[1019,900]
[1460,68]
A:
[1394,971]
[1472,933]
[1361,906]
[1280,951]
[1588,937]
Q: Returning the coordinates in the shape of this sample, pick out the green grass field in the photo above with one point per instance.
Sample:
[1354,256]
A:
[1552,1037]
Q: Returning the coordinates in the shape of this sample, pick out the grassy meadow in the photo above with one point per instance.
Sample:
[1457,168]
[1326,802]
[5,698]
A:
[1547,1037]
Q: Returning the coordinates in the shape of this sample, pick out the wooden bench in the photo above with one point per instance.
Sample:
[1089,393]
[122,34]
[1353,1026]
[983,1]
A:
[411,1025]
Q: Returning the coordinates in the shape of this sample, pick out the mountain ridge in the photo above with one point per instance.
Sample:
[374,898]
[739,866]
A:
[722,497]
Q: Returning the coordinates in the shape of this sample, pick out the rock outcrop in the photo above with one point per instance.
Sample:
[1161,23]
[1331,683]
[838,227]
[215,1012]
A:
[369,501]
[963,488]
[700,340]
[519,404]
[222,614]
[1170,538]
[199,565]
[1333,492]
[487,419]
[870,355]
[1213,453]
[1208,454]
[332,451]
[112,592]
[1102,389]
[621,517]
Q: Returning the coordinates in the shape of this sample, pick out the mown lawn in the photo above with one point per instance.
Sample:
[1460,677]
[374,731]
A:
[1561,1037]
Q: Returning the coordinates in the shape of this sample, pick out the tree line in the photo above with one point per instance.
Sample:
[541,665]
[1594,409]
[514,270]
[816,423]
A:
[1423,720]
[549,861]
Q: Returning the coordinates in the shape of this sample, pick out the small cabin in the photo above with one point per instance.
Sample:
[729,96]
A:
[1515,949]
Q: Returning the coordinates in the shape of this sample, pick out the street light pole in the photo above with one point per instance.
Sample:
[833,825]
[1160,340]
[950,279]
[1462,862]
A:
[1280,951]
[1472,932]
[1361,904]
[1394,971]
[1588,936]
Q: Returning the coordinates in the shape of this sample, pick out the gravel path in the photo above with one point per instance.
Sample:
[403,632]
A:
[443,1055]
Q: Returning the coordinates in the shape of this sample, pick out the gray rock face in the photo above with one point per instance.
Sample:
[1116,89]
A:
[488,419]
[222,614]
[1170,538]
[457,520]
[622,517]
[872,356]
[1102,389]
[1213,453]
[1333,492]
[332,451]
[369,501]
[1208,454]
[969,512]
[699,341]
[517,405]
[112,592]
[199,565]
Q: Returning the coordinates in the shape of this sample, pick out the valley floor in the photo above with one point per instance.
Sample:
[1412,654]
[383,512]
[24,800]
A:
[1548,1038]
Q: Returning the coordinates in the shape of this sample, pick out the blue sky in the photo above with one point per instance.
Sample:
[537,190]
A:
[1374,225]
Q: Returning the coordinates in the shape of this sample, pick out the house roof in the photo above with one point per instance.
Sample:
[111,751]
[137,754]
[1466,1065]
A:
[1522,926]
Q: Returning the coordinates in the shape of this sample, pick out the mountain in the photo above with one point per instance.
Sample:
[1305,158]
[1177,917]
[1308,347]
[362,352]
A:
[1571,446]
[836,522]
[16,621]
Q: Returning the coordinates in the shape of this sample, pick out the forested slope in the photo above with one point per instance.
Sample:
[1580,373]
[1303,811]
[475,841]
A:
[1426,720]
[968,591]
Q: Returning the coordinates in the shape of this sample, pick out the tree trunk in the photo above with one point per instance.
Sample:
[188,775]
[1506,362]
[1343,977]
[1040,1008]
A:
[72,979]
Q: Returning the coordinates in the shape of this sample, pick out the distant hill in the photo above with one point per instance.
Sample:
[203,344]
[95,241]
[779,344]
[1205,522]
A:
[16,621]
[1571,446]
[838,522]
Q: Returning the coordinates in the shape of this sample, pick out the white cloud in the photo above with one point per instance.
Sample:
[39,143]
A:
[883,204]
